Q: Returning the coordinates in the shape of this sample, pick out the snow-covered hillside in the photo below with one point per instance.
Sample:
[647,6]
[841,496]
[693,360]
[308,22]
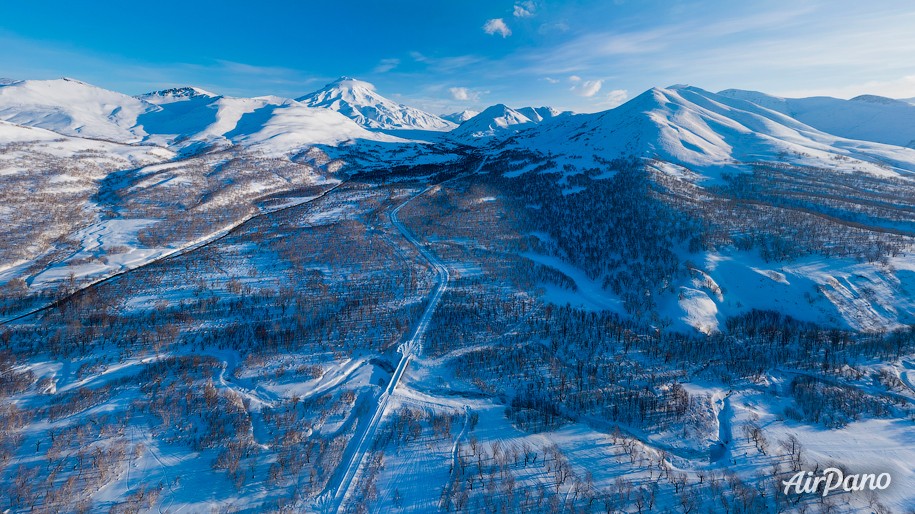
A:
[74,108]
[690,126]
[359,101]
[538,114]
[76,148]
[175,94]
[865,117]
[276,126]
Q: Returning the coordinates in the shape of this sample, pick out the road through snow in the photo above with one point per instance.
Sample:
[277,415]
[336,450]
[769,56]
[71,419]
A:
[335,495]
[338,488]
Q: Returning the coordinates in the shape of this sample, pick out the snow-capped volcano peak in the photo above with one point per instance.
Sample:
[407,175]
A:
[344,90]
[358,100]
[351,83]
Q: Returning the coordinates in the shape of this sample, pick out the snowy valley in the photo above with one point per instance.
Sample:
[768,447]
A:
[339,303]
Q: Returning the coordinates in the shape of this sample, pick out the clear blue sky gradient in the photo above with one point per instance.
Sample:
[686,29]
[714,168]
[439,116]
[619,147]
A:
[582,55]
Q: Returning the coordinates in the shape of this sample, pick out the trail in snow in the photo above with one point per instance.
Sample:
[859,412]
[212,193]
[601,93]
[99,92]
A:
[243,387]
[362,441]
[906,373]
[720,447]
[338,488]
[332,379]
[455,448]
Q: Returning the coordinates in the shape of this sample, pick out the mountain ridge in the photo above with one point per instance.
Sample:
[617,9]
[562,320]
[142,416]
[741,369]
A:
[865,117]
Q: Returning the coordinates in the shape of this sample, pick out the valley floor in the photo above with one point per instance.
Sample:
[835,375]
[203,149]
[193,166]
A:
[414,345]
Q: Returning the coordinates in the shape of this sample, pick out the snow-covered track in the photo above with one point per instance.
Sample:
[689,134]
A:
[337,490]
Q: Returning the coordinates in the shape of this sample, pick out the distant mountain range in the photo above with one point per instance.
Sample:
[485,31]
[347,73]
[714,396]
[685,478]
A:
[691,126]
[500,120]
[177,117]
[460,117]
[680,122]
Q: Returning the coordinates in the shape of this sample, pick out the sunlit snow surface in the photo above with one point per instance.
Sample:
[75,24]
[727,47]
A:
[102,159]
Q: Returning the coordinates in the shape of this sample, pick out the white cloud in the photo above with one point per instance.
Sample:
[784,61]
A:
[616,97]
[551,80]
[587,88]
[464,94]
[386,65]
[574,78]
[460,93]
[524,9]
[497,26]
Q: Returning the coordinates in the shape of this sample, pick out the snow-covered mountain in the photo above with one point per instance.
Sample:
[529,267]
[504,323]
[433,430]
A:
[177,117]
[681,124]
[73,108]
[290,127]
[274,125]
[501,120]
[688,135]
[538,114]
[694,127]
[360,102]
[865,117]
[460,117]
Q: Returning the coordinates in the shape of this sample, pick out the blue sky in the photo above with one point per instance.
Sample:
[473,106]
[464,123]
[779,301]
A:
[447,56]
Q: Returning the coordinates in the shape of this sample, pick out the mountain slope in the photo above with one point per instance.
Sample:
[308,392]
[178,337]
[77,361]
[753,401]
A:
[47,187]
[358,101]
[274,125]
[866,117]
[74,108]
[539,114]
[817,204]
[175,94]
[493,120]
[291,127]
[693,127]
